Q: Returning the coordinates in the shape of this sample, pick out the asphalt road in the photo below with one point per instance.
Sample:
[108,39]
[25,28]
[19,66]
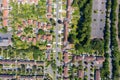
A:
[56,34]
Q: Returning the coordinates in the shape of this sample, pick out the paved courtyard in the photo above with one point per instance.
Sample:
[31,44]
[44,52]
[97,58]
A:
[98,18]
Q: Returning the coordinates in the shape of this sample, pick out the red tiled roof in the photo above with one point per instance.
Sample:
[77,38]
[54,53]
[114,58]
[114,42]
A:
[34,22]
[49,15]
[5,22]
[4,76]
[29,21]
[100,60]
[19,27]
[44,26]
[36,1]
[5,3]
[39,25]
[65,31]
[29,39]
[65,74]
[5,17]
[80,74]
[97,75]
[38,37]
[49,9]
[19,34]
[66,57]
[49,1]
[31,62]
[48,37]
[68,14]
[48,57]
[68,2]
[23,38]
[24,23]
[89,58]
[5,13]
[79,58]
[34,41]
[7,62]
[44,37]
[48,26]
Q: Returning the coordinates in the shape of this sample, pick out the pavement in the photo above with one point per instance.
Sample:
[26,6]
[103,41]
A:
[98,18]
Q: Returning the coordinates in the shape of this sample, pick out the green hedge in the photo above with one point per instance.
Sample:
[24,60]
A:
[114,43]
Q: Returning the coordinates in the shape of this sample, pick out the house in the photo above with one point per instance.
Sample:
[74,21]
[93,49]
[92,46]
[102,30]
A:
[28,1]
[29,21]
[49,1]
[48,57]
[6,76]
[49,15]
[80,74]
[35,2]
[44,26]
[5,3]
[38,37]
[48,37]
[34,41]
[23,38]
[49,8]
[19,33]
[5,17]
[65,31]
[43,37]
[79,58]
[68,2]
[48,46]
[97,75]
[6,61]
[39,25]
[65,57]
[27,77]
[89,58]
[74,58]
[34,22]
[66,78]
[30,62]
[40,77]
[65,72]
[40,63]
[20,28]
[5,13]
[49,26]
[100,59]
[19,62]
[29,39]
[24,23]
[68,15]
[5,22]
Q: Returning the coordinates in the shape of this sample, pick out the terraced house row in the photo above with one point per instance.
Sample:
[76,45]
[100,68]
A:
[30,77]
[19,62]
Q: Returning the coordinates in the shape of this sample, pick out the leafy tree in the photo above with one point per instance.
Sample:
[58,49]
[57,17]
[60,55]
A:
[41,32]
